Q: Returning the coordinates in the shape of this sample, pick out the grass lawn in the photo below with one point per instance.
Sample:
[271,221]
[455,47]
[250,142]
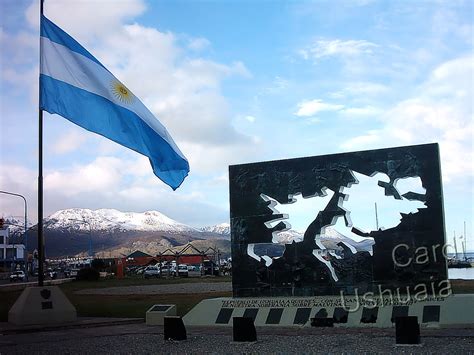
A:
[125,306]
[462,286]
[138,281]
[7,299]
[135,306]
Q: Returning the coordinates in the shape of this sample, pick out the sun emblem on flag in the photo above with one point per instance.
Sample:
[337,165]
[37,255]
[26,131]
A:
[121,92]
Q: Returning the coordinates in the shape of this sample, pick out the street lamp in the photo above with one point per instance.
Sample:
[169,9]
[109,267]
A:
[90,232]
[25,238]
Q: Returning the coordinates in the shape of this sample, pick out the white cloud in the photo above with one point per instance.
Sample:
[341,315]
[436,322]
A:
[185,94]
[102,17]
[199,44]
[312,120]
[19,63]
[311,107]
[337,47]
[19,46]
[107,182]
[277,85]
[251,119]
[452,80]
[361,89]
[446,22]
[441,112]
[362,141]
[362,2]
[181,89]
[103,174]
[210,159]
[20,180]
[220,180]
[361,111]
[68,142]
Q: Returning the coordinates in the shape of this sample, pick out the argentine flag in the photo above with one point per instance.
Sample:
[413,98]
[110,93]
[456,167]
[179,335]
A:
[78,87]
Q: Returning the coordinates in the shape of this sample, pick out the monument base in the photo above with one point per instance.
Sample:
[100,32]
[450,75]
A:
[156,314]
[350,311]
[42,305]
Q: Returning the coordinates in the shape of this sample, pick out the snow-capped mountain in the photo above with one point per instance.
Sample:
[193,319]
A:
[289,236]
[332,236]
[114,220]
[223,229]
[16,225]
[329,239]
[112,232]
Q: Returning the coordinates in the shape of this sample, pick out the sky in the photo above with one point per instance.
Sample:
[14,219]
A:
[237,82]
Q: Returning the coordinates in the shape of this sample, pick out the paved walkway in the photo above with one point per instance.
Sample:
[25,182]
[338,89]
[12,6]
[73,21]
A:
[141,339]
[200,287]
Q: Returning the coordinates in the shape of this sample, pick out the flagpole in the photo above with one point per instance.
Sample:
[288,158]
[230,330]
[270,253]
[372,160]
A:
[40,184]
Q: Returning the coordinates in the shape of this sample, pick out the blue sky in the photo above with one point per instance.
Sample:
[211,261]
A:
[242,81]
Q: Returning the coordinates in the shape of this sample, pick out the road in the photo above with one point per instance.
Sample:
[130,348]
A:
[33,281]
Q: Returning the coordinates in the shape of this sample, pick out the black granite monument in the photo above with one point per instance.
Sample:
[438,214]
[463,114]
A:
[268,260]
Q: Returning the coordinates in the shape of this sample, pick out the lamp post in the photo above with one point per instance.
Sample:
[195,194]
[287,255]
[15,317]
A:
[26,224]
[90,232]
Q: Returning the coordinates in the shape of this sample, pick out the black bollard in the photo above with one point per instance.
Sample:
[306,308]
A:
[407,330]
[321,319]
[174,328]
[244,329]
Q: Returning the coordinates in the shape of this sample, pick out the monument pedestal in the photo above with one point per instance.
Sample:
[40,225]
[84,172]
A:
[157,313]
[439,312]
[42,305]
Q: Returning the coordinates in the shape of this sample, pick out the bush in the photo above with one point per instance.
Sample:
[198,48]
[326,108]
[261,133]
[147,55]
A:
[87,274]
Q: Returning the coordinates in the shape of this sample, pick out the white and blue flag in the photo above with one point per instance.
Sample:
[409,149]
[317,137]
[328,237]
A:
[78,87]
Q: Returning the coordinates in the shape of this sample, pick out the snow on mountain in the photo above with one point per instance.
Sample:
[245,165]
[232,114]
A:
[288,236]
[16,224]
[223,228]
[330,238]
[111,219]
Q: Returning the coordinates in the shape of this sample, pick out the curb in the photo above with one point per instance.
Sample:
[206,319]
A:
[83,324]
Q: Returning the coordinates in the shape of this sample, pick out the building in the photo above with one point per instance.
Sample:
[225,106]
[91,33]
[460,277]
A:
[11,254]
[188,254]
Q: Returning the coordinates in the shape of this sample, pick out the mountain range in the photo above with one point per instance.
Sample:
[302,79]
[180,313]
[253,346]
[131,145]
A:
[112,233]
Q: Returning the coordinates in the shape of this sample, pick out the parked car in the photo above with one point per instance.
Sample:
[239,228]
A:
[210,268]
[53,274]
[17,276]
[183,270]
[168,269]
[151,271]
